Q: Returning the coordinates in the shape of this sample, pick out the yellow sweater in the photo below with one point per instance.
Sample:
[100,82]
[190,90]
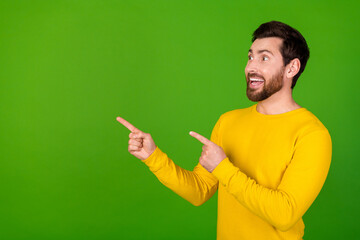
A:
[276,166]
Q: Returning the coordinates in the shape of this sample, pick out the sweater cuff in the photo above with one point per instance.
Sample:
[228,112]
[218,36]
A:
[155,158]
[224,171]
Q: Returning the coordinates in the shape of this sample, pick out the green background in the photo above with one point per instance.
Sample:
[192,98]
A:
[69,68]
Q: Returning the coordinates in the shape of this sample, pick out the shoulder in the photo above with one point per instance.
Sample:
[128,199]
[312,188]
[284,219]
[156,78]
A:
[309,125]
[236,113]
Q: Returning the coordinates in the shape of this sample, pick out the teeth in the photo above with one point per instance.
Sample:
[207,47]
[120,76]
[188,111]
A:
[256,80]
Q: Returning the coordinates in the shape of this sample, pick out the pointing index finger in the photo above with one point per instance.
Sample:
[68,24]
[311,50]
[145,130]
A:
[127,124]
[201,138]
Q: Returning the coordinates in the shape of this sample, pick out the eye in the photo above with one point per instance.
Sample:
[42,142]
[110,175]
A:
[250,57]
[265,58]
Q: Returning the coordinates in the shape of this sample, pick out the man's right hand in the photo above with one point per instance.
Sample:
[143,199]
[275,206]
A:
[141,144]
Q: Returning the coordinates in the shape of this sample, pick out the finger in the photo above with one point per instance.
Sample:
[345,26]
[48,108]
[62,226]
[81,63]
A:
[127,124]
[137,139]
[134,136]
[133,148]
[202,139]
[135,143]
[138,135]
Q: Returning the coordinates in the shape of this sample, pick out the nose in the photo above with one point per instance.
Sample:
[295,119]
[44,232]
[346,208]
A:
[251,67]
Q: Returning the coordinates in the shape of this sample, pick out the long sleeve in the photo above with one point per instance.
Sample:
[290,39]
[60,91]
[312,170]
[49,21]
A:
[195,186]
[299,186]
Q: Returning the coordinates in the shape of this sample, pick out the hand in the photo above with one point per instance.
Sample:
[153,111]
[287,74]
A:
[141,144]
[211,155]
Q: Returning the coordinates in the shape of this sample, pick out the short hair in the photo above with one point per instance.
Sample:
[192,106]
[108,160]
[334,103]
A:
[293,46]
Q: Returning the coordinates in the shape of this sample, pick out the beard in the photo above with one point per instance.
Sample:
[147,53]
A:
[269,88]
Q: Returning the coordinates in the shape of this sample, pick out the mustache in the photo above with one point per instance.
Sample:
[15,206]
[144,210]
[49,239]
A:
[254,75]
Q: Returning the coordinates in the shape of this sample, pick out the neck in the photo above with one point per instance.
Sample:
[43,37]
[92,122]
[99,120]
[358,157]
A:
[280,102]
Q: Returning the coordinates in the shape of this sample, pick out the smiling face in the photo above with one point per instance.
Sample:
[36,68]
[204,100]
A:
[264,71]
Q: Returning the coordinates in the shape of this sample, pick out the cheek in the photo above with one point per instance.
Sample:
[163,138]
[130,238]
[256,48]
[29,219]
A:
[267,73]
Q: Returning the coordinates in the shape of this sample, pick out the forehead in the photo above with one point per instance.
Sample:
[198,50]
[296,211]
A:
[272,44]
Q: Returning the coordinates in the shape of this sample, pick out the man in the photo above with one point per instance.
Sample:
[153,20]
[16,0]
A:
[268,162]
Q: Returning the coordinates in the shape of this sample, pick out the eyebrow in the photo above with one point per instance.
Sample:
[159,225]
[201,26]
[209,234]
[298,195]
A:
[261,51]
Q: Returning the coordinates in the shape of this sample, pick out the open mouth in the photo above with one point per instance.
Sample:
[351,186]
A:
[256,82]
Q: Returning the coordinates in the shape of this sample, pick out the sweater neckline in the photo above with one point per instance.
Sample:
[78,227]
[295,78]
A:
[281,115]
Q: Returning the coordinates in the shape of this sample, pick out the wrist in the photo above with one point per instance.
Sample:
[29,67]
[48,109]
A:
[151,154]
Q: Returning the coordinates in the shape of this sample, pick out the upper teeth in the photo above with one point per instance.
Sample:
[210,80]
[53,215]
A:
[257,80]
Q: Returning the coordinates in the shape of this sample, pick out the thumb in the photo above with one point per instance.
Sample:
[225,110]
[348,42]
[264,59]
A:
[139,134]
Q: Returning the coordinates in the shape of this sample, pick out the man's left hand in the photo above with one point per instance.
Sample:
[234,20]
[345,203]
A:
[211,155]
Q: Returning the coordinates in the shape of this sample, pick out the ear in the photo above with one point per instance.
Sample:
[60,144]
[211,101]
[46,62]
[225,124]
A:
[293,68]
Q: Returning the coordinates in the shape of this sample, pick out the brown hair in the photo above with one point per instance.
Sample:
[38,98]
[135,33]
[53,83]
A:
[294,44]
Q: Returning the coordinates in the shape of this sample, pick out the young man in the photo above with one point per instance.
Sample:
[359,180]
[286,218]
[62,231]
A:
[269,161]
